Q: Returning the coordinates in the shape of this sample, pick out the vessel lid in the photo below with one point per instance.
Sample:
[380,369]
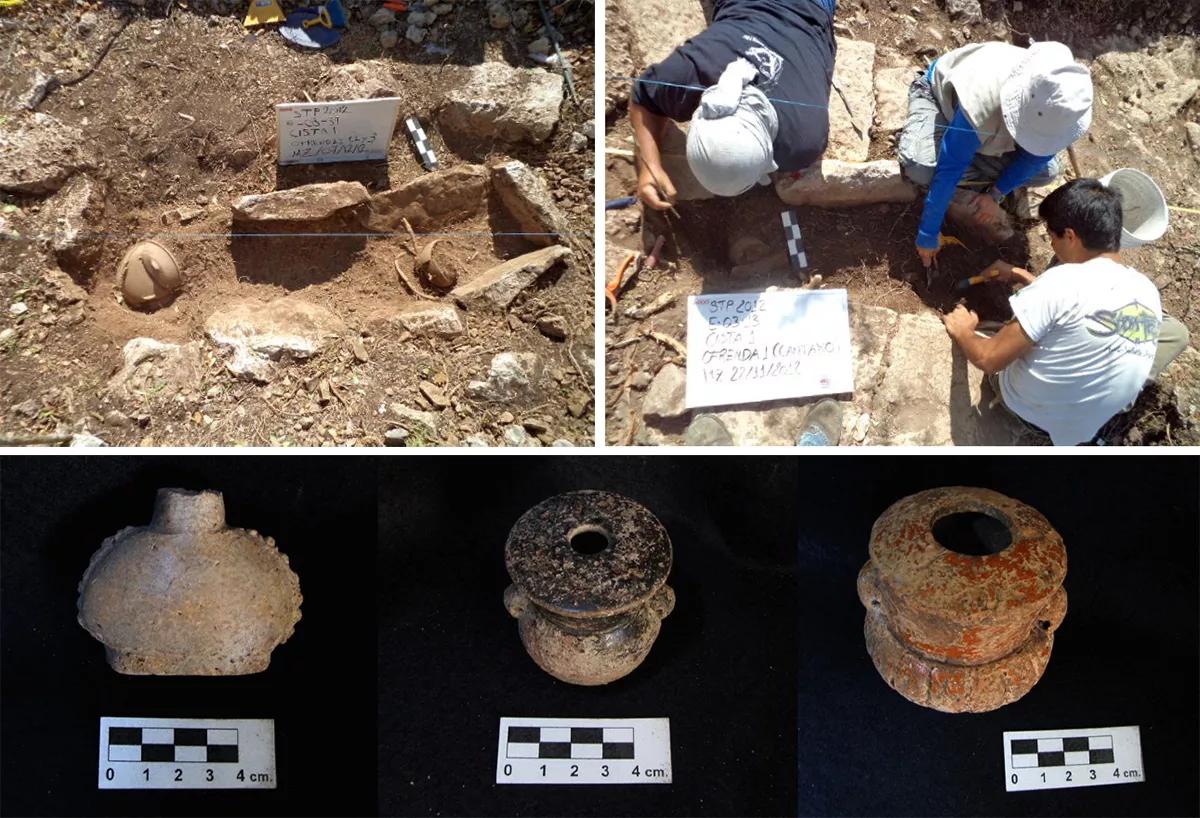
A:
[929,576]
[588,553]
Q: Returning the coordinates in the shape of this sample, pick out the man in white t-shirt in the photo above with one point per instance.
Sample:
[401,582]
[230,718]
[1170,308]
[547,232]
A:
[1088,333]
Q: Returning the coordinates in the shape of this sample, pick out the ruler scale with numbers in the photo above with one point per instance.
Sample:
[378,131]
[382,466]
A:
[583,751]
[1086,757]
[186,754]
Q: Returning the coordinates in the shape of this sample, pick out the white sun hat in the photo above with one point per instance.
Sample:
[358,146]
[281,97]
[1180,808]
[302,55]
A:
[731,136]
[1047,101]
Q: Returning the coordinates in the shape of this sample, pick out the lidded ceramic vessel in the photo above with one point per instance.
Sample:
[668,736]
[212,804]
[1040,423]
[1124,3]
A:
[589,592]
[187,595]
[962,632]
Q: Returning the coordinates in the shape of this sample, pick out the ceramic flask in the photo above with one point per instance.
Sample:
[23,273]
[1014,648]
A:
[187,595]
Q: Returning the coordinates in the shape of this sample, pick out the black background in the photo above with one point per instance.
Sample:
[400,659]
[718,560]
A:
[1125,654]
[762,648]
[320,687]
[723,668]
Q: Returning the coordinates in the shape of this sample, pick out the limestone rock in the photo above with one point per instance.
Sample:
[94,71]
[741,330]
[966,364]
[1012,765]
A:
[28,91]
[499,17]
[431,200]
[930,395]
[362,79]
[618,59]
[499,286]
[964,11]
[492,100]
[439,321]
[382,18]
[62,289]
[1155,86]
[259,333]
[415,420]
[846,184]
[526,197]
[77,207]
[658,26]
[512,377]
[853,73]
[666,396]
[38,153]
[153,368]
[1193,134]
[517,436]
[307,203]
[891,97]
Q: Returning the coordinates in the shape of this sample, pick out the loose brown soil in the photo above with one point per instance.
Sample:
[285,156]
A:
[180,113]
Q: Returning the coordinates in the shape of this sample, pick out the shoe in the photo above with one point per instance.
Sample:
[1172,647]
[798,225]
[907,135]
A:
[823,426]
[707,430]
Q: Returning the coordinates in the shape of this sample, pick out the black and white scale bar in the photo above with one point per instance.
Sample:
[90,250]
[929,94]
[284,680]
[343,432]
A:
[1061,752]
[179,753]
[570,742]
[187,745]
[424,149]
[542,750]
[795,242]
[1085,757]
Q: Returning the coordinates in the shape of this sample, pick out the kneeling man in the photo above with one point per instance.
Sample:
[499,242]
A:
[1088,333]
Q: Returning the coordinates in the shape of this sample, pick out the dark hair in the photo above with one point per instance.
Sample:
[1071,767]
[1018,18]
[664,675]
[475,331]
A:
[1089,208]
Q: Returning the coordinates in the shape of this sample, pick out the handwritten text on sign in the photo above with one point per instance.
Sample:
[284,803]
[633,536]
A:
[347,131]
[752,347]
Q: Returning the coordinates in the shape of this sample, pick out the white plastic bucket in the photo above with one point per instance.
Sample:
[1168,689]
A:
[1143,205]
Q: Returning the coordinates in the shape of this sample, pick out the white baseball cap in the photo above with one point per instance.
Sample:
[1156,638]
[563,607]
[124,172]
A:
[1047,101]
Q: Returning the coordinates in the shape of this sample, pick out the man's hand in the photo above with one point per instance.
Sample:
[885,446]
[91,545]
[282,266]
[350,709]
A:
[1008,273]
[960,322]
[927,256]
[987,209]
[655,188]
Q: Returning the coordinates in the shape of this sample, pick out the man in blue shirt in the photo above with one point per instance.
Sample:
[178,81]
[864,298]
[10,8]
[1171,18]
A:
[753,85]
[985,120]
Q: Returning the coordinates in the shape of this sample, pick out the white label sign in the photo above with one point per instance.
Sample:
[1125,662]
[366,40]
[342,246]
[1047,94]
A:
[186,754]
[753,347]
[348,131]
[1086,757]
[583,751]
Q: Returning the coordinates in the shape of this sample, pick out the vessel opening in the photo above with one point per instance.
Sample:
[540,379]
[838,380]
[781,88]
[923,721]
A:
[588,539]
[972,533]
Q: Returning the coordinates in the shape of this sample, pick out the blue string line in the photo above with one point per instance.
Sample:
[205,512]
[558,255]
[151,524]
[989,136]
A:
[773,99]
